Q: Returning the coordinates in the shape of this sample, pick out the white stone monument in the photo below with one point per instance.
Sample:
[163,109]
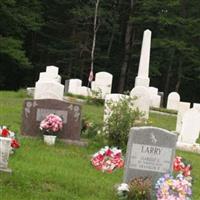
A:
[196,106]
[155,99]
[111,98]
[190,127]
[102,83]
[5,146]
[84,91]
[183,107]
[173,101]
[142,78]
[74,85]
[142,101]
[48,86]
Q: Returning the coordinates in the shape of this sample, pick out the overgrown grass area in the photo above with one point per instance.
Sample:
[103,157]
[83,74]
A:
[64,172]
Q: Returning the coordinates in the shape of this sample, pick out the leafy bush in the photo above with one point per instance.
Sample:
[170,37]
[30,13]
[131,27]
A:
[140,189]
[121,117]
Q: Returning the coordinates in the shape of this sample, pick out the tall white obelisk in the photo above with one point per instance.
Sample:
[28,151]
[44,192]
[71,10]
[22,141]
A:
[142,78]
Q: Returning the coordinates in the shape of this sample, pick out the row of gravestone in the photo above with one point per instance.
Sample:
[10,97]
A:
[101,86]
[188,122]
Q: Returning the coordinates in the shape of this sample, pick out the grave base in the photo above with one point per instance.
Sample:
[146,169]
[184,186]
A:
[195,148]
[81,143]
[8,170]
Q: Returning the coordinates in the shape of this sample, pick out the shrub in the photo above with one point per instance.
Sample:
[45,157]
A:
[121,117]
[140,189]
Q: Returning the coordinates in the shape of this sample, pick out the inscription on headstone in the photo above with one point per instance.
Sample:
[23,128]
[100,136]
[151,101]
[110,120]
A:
[150,153]
[34,111]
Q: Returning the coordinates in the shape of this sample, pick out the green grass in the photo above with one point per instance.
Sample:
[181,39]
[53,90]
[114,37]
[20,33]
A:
[64,172]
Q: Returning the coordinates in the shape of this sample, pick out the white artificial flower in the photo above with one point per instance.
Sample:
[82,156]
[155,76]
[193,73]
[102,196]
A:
[123,187]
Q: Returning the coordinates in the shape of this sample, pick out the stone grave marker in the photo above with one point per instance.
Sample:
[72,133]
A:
[150,153]
[66,86]
[182,109]
[142,101]
[74,85]
[173,101]
[48,86]
[34,111]
[4,153]
[190,127]
[102,83]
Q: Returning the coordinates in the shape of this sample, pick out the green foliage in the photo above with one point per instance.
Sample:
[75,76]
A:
[121,117]
[63,171]
[13,49]
[140,189]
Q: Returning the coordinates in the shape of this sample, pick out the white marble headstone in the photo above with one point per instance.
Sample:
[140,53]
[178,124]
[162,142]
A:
[142,101]
[84,91]
[48,86]
[74,85]
[102,83]
[190,126]
[111,98]
[5,146]
[183,107]
[196,106]
[173,101]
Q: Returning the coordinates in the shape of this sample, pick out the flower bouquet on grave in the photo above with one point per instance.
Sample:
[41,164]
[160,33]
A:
[108,159]
[5,132]
[51,126]
[177,187]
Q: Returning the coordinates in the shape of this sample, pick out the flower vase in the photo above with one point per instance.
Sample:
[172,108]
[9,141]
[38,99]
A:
[50,139]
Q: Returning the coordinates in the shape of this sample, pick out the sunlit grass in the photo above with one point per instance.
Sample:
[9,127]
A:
[64,172]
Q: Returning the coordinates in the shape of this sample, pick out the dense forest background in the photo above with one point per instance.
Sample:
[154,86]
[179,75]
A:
[37,33]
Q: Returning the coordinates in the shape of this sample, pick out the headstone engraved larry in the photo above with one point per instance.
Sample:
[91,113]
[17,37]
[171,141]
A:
[34,111]
[150,153]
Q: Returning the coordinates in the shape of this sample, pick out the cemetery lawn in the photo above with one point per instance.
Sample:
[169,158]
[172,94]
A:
[64,172]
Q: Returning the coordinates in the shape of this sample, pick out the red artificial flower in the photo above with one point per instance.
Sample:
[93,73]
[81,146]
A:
[15,144]
[187,170]
[5,132]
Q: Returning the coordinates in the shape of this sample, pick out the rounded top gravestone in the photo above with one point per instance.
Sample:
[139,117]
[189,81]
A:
[173,101]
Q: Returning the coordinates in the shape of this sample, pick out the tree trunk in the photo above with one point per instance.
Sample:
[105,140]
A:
[169,74]
[128,36]
[178,83]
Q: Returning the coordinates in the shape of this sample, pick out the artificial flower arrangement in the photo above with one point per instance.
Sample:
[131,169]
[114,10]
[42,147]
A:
[5,132]
[108,159]
[177,187]
[168,187]
[51,125]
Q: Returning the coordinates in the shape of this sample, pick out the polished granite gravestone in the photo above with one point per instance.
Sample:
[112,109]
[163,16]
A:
[34,111]
[150,153]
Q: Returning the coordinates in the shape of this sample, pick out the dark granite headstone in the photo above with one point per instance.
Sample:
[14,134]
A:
[66,86]
[34,111]
[161,99]
[150,153]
